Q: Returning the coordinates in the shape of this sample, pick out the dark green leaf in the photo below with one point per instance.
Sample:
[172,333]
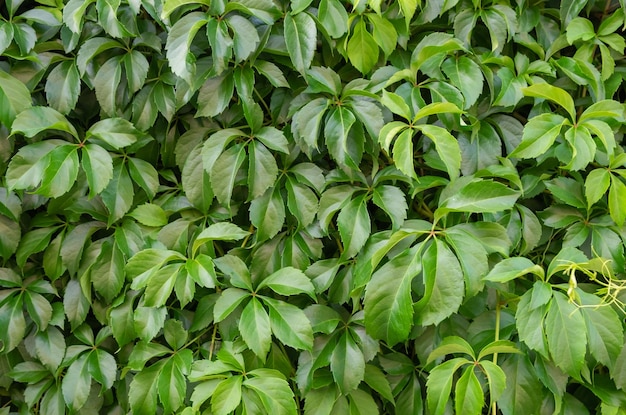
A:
[300,39]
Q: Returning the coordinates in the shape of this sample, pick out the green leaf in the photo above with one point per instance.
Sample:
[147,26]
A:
[107,273]
[136,68]
[98,167]
[391,199]
[354,226]
[301,201]
[118,195]
[362,48]
[224,172]
[254,326]
[170,5]
[172,383]
[554,94]
[196,181]
[347,364]
[479,196]
[495,378]
[290,325]
[466,75]
[178,44]
[32,242]
[300,39]
[617,199]
[221,231]
[122,322]
[468,393]
[539,135]
[150,214]
[522,386]
[12,317]
[61,171]
[344,145]
[403,152]
[333,17]
[272,73]
[106,84]
[75,304]
[444,285]
[227,302]
[446,145]
[77,383]
[267,214]
[307,121]
[439,384]
[145,175]
[450,345]
[388,304]
[274,393]
[227,396]
[511,268]
[63,87]
[102,367]
[262,171]
[604,330]
[580,29]
[143,390]
[596,184]
[567,340]
[246,37]
[288,281]
[215,95]
[34,120]
[396,104]
[569,9]
[116,132]
[14,98]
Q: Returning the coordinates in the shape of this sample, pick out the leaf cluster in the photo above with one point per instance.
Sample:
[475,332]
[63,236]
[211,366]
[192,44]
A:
[313,207]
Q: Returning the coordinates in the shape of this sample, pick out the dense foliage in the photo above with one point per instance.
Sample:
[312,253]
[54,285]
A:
[312,207]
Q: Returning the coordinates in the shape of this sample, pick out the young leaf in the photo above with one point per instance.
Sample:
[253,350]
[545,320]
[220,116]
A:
[468,393]
[439,384]
[511,268]
[362,48]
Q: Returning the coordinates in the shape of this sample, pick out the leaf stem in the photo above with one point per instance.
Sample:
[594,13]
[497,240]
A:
[212,347]
[494,408]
